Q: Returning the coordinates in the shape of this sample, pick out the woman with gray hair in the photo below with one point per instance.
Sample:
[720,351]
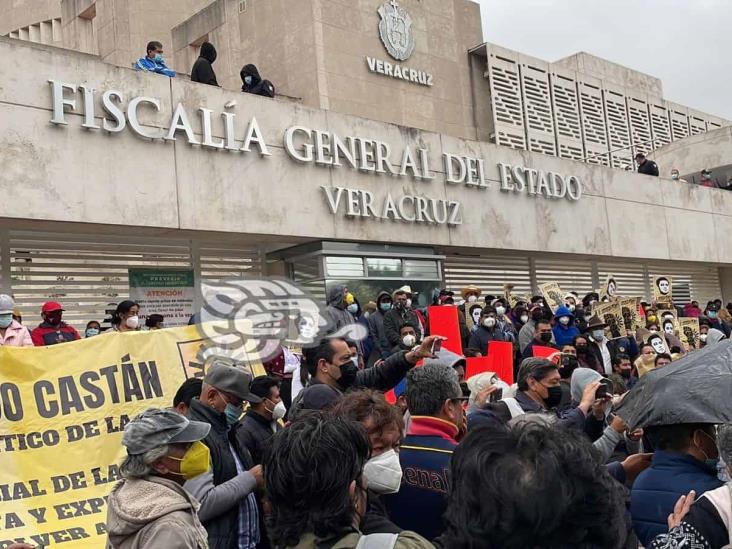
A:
[149,508]
[707,522]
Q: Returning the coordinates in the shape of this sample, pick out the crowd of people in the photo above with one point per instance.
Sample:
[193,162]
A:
[202,70]
[649,167]
[454,462]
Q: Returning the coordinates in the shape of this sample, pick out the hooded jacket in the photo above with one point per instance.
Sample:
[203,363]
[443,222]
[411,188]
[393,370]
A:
[564,335]
[202,70]
[336,310]
[257,85]
[152,512]
[382,347]
[714,336]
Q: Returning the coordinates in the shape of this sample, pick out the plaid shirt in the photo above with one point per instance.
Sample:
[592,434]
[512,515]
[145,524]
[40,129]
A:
[248,514]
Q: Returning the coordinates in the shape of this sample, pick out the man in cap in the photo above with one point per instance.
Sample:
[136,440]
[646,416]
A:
[645,166]
[226,492]
[261,420]
[53,329]
[400,313]
[12,332]
[149,508]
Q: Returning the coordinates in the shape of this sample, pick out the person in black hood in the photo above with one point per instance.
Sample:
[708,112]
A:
[202,70]
[253,83]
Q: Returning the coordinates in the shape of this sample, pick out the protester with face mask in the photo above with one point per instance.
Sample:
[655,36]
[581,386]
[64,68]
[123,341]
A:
[488,330]
[704,523]
[153,61]
[263,418]
[528,331]
[567,364]
[605,350]
[149,508]
[316,487]
[564,326]
[330,363]
[381,346]
[705,178]
[53,329]
[384,425]
[542,338]
[253,83]
[585,359]
[622,376]
[126,318]
[504,323]
[399,314]
[519,317]
[435,403]
[540,392]
[712,313]
[685,459]
[93,328]
[409,341]
[228,505]
[12,332]
[676,177]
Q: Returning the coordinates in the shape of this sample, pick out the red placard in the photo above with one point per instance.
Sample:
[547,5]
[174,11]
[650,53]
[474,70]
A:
[478,366]
[543,352]
[390,397]
[444,322]
[501,353]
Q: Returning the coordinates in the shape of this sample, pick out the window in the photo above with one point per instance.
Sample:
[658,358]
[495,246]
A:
[242,6]
[343,267]
[378,267]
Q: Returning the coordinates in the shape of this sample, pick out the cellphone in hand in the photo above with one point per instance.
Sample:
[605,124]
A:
[496,395]
[605,388]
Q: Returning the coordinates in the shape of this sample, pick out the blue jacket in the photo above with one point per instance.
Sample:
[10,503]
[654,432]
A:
[150,65]
[564,335]
[657,489]
[425,458]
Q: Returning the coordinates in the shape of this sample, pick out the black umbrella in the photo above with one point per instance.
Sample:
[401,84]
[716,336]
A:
[694,389]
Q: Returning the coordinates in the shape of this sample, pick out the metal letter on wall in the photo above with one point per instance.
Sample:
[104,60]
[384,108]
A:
[395,30]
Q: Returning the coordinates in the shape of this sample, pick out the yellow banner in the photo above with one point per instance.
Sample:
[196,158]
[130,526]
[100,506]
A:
[62,412]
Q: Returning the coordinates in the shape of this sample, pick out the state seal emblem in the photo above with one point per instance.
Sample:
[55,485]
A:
[395,29]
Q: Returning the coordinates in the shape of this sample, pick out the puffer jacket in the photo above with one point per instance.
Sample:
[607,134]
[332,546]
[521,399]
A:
[153,512]
[16,335]
[658,488]
[564,335]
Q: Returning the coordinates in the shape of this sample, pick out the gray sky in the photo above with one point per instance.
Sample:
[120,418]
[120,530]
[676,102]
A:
[685,43]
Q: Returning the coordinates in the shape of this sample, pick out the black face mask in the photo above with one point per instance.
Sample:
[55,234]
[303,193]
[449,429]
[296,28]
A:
[554,396]
[569,365]
[464,388]
[625,373]
[348,375]
[581,349]
[545,337]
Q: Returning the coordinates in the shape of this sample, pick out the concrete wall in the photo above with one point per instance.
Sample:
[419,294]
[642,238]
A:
[69,174]
[316,50]
[22,13]
[612,72]
[691,155]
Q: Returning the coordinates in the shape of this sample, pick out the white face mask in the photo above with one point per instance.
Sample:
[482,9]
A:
[279,411]
[500,311]
[489,322]
[703,337]
[524,318]
[598,335]
[409,340]
[571,307]
[409,303]
[132,322]
[472,298]
[384,473]
[564,320]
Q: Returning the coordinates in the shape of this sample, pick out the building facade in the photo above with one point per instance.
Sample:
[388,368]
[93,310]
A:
[105,169]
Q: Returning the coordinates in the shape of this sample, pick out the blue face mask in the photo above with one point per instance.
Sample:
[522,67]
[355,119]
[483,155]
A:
[712,314]
[352,308]
[158,58]
[6,320]
[233,413]
[91,332]
[248,80]
[385,307]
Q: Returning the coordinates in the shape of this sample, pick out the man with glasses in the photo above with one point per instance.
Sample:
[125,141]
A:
[228,504]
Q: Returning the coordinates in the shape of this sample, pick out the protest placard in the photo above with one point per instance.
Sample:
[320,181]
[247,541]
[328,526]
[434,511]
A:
[689,333]
[630,309]
[612,315]
[663,290]
[552,294]
[64,408]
